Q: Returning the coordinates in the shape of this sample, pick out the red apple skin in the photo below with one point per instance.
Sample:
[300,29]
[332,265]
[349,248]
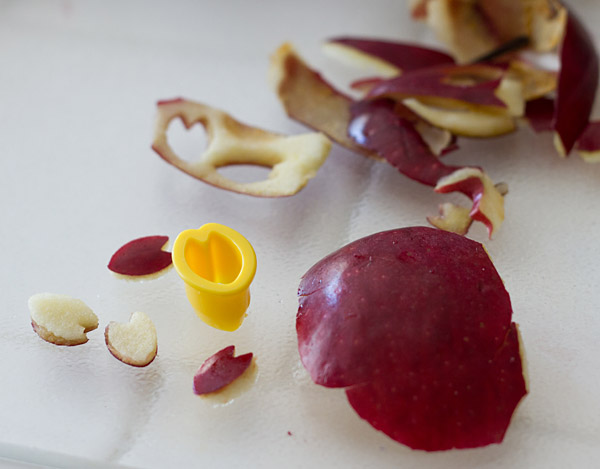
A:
[577,83]
[402,55]
[219,370]
[432,82]
[416,323]
[540,114]
[142,256]
[377,127]
[590,139]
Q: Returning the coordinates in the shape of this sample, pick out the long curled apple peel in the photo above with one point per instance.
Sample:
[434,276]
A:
[293,160]
[375,130]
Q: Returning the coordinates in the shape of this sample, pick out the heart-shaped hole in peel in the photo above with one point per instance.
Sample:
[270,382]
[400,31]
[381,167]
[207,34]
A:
[217,259]
[187,143]
[134,343]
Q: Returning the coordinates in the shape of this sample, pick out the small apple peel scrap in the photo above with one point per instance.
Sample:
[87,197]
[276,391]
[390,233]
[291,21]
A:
[293,159]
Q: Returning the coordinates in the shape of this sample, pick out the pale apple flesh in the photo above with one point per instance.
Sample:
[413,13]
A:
[133,343]
[293,160]
[61,319]
[372,128]
[141,257]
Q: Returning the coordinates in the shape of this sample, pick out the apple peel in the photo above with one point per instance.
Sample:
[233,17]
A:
[488,200]
[416,324]
[133,343]
[588,145]
[293,160]
[61,319]
[462,120]
[141,257]
[453,218]
[391,58]
[220,370]
[577,83]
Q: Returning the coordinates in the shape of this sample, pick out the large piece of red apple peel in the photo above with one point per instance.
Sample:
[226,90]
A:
[415,324]
[373,128]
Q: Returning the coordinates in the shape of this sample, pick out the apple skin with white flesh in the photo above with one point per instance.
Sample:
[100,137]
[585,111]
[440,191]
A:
[416,324]
[61,319]
[134,343]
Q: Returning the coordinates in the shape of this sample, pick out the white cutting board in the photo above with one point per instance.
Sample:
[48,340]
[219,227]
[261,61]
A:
[78,86]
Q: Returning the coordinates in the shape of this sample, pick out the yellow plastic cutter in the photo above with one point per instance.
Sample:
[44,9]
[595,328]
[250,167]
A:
[217,265]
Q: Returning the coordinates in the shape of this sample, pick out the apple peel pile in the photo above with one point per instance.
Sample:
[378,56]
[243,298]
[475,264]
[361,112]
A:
[415,324]
[293,160]
[141,257]
[489,83]
[220,370]
[376,129]
[61,319]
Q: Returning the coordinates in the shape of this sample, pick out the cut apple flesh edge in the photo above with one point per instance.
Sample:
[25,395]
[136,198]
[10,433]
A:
[293,160]
[371,128]
[61,319]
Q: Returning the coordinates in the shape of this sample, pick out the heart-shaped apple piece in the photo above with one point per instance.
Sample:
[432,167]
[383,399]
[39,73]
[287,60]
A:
[220,370]
[61,319]
[416,324]
[141,257]
[133,343]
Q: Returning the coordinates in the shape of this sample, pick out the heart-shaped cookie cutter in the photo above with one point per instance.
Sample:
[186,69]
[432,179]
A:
[217,265]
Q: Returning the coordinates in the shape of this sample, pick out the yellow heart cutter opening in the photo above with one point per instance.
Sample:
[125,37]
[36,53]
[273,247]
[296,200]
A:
[217,265]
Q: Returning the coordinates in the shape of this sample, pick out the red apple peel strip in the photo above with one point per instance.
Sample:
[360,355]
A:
[294,160]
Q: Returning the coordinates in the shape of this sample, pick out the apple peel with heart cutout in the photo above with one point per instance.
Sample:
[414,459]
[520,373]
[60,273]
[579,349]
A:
[416,325]
[133,343]
[141,257]
[220,370]
[293,160]
[61,319]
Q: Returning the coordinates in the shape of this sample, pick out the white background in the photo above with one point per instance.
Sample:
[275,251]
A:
[78,86]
